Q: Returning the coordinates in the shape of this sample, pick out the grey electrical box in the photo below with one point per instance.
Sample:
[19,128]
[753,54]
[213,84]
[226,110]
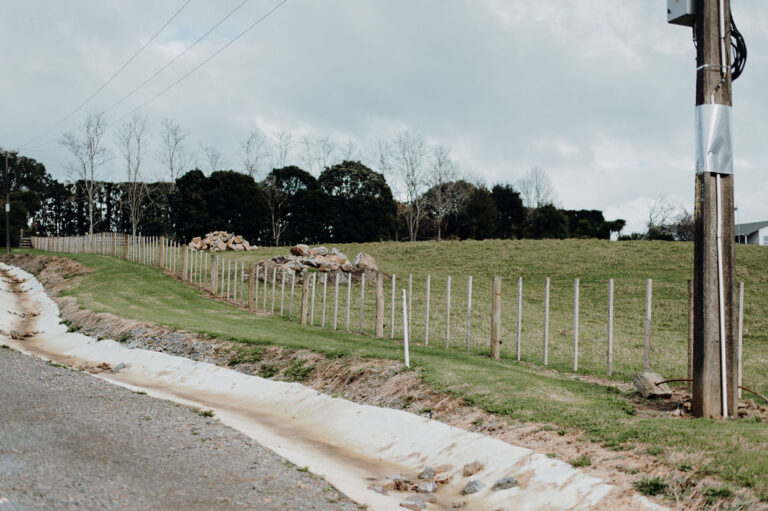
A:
[681,12]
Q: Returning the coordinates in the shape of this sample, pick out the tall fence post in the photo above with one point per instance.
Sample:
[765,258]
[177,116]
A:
[609,351]
[349,298]
[468,337]
[392,308]
[426,313]
[448,313]
[185,263]
[304,297]
[274,283]
[575,325]
[336,300]
[282,291]
[229,276]
[546,322]
[406,333]
[293,287]
[740,335]
[410,304]
[496,319]
[325,287]
[362,302]
[690,334]
[251,287]
[312,307]
[648,308]
[379,305]
[519,315]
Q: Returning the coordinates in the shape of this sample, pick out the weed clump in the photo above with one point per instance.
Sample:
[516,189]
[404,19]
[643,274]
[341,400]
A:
[297,371]
[651,486]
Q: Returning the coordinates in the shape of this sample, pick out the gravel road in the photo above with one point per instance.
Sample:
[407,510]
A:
[69,440]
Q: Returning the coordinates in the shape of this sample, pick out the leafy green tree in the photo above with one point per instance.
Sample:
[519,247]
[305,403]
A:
[189,205]
[303,207]
[235,204]
[478,219]
[511,211]
[548,222]
[361,203]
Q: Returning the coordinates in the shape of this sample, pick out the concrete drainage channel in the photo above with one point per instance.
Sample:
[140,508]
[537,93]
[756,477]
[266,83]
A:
[384,458]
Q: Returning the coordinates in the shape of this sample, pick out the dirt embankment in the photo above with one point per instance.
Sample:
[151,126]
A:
[380,383]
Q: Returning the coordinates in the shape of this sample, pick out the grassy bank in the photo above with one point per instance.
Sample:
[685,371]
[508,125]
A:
[733,451]
[594,262]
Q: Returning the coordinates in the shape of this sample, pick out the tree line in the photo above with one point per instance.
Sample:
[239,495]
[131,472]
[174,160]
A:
[348,202]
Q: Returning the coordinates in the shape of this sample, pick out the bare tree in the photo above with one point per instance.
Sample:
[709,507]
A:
[131,140]
[89,155]
[444,197]
[317,153]
[350,151]
[405,158]
[254,154]
[663,215]
[275,200]
[173,151]
[213,157]
[536,189]
[282,149]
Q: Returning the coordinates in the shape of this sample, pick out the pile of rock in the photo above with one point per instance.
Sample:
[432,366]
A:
[323,260]
[219,241]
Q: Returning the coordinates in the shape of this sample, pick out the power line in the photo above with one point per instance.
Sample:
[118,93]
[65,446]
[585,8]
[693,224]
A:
[177,57]
[73,112]
[183,77]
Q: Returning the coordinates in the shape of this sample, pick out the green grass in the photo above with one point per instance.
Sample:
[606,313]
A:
[581,461]
[651,486]
[733,451]
[594,262]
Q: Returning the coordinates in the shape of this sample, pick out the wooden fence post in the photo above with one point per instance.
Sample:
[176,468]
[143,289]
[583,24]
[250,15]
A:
[609,354]
[304,297]
[739,351]
[325,288]
[519,315]
[468,338]
[312,309]
[293,287]
[362,302]
[185,263]
[274,282]
[229,276]
[575,325]
[234,282]
[266,287]
[496,319]
[648,308]
[349,297]
[392,309]
[448,313]
[282,292]
[251,287]
[336,301]
[426,313]
[214,274]
[546,322]
[379,305]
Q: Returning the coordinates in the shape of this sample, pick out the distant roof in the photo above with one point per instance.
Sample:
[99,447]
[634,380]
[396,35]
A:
[751,227]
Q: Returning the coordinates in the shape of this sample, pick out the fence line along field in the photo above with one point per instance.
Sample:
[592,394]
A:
[417,266]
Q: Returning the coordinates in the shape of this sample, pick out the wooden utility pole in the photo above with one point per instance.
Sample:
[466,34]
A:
[7,208]
[714,347]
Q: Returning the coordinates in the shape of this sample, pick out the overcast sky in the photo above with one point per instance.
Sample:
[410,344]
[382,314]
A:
[598,93]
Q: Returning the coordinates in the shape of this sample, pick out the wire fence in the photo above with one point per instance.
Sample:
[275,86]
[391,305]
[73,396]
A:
[614,327]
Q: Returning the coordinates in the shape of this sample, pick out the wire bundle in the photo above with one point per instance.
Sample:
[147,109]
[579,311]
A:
[738,50]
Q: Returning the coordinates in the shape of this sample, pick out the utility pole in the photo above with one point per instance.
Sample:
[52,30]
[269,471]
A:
[7,209]
[715,384]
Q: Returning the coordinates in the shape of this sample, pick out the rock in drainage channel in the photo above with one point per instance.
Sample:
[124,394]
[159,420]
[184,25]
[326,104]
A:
[429,481]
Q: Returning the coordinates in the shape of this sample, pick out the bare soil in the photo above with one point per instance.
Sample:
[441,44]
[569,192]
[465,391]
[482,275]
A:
[384,383]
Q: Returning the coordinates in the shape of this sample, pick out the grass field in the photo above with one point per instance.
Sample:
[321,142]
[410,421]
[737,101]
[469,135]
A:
[734,451]
[594,262]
